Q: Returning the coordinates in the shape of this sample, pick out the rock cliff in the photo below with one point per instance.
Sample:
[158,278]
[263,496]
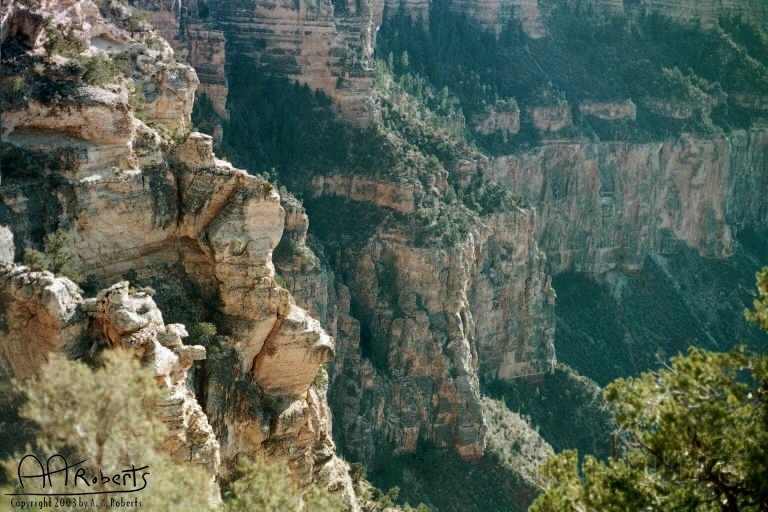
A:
[106,160]
[43,313]
[608,205]
[419,323]
[327,45]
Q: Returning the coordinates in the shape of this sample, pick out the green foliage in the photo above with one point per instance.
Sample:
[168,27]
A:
[438,479]
[137,20]
[568,409]
[510,438]
[280,280]
[99,69]
[694,433]
[445,225]
[12,90]
[696,439]
[584,59]
[63,43]
[760,314]
[321,378]
[60,256]
[204,116]
[320,500]
[259,485]
[294,132]
[203,330]
[35,259]
[428,119]
[107,415]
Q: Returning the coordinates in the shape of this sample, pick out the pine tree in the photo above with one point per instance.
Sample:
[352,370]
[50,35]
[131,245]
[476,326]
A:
[696,437]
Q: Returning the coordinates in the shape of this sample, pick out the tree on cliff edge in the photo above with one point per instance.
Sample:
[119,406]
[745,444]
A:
[696,437]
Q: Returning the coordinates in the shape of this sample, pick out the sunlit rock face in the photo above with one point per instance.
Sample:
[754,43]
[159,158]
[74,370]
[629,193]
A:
[418,327]
[43,313]
[608,205]
[327,45]
[112,166]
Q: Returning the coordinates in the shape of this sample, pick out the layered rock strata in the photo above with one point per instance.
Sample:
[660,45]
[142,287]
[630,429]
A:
[43,313]
[418,326]
[609,205]
[134,203]
[327,45]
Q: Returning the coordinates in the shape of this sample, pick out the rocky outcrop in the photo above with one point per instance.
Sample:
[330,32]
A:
[401,197]
[323,44]
[42,313]
[7,247]
[504,116]
[39,314]
[609,111]
[610,205]
[185,26]
[132,320]
[551,118]
[418,326]
[136,203]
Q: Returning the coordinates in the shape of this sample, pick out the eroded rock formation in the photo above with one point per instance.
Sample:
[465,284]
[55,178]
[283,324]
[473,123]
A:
[42,313]
[133,202]
[609,205]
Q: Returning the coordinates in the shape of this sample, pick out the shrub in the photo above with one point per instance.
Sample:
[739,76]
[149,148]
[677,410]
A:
[98,69]
[59,256]
[59,43]
[35,259]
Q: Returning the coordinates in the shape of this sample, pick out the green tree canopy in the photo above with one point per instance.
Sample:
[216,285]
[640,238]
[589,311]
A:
[107,416]
[695,437]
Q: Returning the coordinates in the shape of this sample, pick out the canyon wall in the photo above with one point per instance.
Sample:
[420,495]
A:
[417,325]
[95,163]
[609,205]
[328,46]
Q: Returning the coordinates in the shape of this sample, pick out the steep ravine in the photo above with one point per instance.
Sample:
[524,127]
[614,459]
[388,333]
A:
[631,230]
[407,284]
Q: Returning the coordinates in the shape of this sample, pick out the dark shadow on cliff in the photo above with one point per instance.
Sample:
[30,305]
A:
[446,483]
[623,323]
[568,409]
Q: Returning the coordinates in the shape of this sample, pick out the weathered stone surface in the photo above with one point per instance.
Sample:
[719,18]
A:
[609,111]
[551,118]
[152,206]
[417,327]
[7,248]
[308,42]
[605,205]
[39,313]
[502,117]
[42,314]
[197,151]
[400,197]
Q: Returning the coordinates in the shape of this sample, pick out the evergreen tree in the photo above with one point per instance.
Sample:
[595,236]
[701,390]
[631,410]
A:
[106,417]
[696,436]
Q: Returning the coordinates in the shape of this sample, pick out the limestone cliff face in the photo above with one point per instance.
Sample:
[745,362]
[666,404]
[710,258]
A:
[417,327]
[42,313]
[184,25]
[324,44]
[603,206]
[135,203]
